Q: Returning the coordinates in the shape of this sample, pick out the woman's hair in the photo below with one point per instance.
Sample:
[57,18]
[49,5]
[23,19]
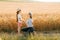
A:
[30,15]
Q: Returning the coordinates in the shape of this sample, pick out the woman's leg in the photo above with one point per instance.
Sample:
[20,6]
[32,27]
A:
[32,30]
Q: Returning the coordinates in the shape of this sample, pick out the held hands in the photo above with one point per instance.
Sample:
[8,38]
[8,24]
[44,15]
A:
[23,20]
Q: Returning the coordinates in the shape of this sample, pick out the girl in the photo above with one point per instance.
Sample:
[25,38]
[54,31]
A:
[19,20]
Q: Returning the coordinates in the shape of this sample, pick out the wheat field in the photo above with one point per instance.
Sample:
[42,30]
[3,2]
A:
[40,36]
[46,16]
[46,20]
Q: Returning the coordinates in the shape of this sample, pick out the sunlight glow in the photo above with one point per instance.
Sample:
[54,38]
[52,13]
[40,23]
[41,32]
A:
[47,0]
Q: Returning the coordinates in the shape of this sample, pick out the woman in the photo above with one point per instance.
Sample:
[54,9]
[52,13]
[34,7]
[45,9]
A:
[29,24]
[29,29]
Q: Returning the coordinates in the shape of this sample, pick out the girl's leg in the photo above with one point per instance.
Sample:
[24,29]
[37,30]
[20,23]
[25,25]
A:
[19,27]
[18,30]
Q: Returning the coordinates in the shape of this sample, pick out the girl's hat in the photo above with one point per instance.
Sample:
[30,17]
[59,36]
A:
[18,9]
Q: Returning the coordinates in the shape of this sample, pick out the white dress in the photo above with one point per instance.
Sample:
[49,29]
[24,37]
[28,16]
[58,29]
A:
[19,18]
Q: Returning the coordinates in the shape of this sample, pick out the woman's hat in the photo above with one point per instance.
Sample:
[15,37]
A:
[30,13]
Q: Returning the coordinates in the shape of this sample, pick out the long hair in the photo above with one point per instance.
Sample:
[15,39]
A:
[30,15]
[17,15]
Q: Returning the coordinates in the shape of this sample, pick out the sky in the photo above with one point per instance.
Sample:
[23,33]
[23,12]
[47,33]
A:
[47,0]
[33,0]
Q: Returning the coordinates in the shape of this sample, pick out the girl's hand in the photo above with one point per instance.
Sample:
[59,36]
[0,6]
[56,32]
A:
[22,21]
[16,21]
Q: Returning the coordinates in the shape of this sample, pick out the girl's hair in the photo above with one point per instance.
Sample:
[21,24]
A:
[18,11]
[17,14]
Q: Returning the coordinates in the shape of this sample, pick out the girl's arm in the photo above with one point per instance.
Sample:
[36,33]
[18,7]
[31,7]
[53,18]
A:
[16,18]
[22,19]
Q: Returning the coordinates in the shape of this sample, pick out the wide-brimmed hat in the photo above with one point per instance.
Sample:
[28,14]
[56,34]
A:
[18,9]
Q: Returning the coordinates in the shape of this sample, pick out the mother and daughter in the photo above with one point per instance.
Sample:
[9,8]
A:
[29,29]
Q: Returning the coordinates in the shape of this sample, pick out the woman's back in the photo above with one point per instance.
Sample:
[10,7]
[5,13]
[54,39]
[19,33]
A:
[29,22]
